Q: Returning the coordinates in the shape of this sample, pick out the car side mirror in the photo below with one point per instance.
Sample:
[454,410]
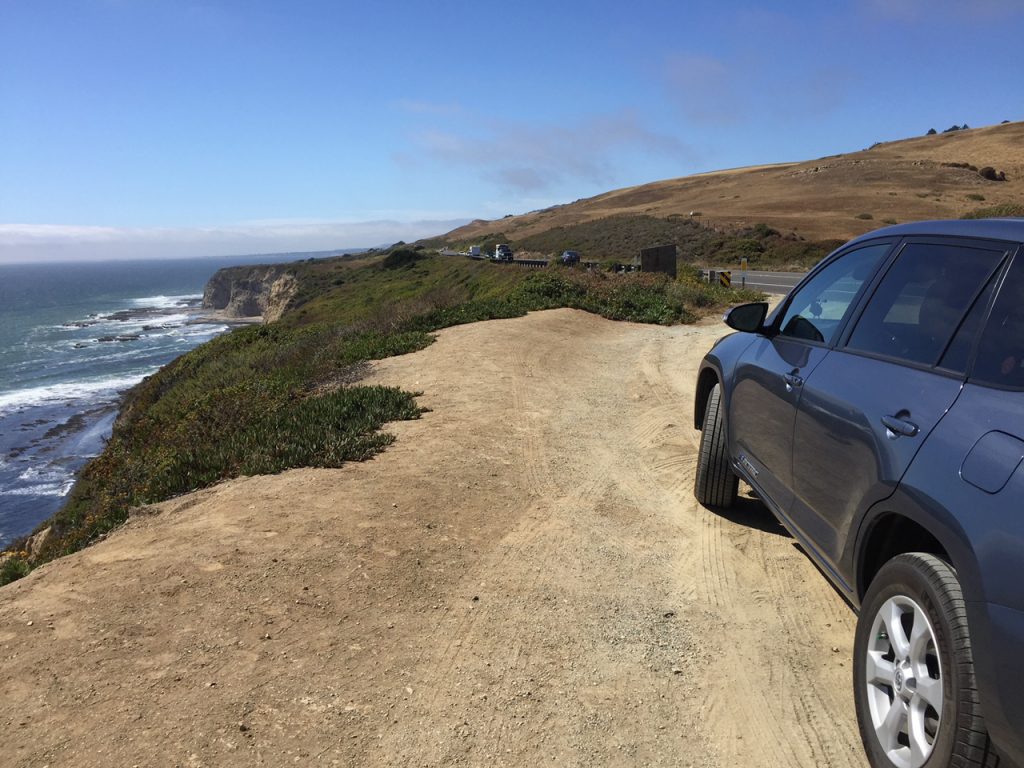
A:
[748,318]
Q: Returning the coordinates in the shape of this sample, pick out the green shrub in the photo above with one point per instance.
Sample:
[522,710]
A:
[13,568]
[1005,210]
[975,196]
[865,216]
[403,257]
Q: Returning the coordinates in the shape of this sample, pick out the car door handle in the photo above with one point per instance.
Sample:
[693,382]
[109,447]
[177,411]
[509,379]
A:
[896,426]
[792,380]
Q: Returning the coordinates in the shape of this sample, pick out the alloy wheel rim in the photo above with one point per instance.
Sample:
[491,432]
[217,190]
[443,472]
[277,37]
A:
[903,676]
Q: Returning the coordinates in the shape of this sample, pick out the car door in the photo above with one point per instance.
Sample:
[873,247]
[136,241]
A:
[769,375]
[870,404]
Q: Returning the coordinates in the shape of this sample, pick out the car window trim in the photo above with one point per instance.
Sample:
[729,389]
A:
[780,312]
[865,297]
[1016,253]
[924,368]
[999,273]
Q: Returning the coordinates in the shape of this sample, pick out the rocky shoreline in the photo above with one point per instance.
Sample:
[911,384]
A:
[244,293]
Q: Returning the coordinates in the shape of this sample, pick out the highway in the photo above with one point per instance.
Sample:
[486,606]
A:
[769,282]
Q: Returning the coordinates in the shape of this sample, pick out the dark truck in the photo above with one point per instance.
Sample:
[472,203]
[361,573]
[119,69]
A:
[878,412]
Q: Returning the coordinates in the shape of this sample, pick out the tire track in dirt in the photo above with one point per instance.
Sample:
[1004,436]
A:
[753,602]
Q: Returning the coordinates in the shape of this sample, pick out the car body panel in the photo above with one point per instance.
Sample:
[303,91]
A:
[764,397]
[999,631]
[959,480]
[844,458]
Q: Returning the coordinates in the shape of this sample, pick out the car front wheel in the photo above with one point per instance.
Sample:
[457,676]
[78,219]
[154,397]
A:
[715,484]
[913,669]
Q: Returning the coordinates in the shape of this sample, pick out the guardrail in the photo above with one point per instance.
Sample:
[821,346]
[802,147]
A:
[723,277]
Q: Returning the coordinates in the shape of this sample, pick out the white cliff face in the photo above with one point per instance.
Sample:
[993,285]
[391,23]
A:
[259,291]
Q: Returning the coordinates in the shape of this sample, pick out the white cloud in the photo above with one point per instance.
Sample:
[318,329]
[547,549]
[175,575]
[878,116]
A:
[54,242]
[526,158]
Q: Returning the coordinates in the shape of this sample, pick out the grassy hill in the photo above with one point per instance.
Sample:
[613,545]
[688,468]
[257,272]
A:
[815,202]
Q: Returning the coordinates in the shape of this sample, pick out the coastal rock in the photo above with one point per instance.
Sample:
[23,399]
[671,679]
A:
[38,541]
[259,291]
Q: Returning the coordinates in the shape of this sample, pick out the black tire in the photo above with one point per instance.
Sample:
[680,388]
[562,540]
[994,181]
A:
[715,484]
[908,589]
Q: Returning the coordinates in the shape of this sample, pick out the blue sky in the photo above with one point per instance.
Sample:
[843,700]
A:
[179,128]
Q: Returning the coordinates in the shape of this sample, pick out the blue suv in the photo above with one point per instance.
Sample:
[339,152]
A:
[878,412]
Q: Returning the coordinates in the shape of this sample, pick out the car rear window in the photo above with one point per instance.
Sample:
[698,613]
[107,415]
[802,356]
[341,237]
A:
[922,301]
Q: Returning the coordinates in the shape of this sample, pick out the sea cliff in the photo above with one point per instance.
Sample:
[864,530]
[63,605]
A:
[254,291]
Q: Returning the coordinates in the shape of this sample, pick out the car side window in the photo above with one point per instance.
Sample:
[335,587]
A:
[1000,359]
[922,300]
[816,310]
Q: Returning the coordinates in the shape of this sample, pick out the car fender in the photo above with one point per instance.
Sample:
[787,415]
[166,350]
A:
[926,512]
[719,365]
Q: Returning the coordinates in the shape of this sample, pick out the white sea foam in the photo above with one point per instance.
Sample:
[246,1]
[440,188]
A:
[166,302]
[43,489]
[136,324]
[132,324]
[68,391]
[193,331]
[42,482]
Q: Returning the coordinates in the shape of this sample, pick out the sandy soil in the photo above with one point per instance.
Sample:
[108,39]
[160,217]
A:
[523,579]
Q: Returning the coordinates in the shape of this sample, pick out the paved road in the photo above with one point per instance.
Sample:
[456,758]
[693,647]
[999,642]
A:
[769,282]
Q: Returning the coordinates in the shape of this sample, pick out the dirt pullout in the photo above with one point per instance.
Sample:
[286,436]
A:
[524,578]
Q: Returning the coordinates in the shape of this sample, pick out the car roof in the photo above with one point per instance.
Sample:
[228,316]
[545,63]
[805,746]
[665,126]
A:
[990,229]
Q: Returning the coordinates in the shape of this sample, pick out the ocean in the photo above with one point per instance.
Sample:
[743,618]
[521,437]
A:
[73,337]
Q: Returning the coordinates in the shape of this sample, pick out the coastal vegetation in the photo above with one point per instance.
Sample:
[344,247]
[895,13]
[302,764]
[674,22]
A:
[263,399]
[996,211]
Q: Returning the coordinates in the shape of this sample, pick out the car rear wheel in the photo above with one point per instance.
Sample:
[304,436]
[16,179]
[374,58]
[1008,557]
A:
[913,669]
[715,484]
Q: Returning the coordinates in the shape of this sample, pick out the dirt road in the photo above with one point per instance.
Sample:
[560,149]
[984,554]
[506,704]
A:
[523,579]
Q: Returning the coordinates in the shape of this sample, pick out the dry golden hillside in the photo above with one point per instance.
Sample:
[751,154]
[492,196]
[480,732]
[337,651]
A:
[898,181]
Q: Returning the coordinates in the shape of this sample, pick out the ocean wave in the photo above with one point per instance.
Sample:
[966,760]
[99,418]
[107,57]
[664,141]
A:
[42,489]
[42,482]
[70,391]
[166,302]
[133,322]
[199,329]
[137,323]
[36,474]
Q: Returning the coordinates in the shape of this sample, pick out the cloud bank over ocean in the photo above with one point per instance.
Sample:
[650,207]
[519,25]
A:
[60,242]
